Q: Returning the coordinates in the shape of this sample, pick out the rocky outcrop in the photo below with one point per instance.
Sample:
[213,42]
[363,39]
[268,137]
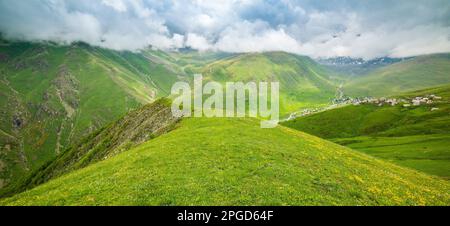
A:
[66,86]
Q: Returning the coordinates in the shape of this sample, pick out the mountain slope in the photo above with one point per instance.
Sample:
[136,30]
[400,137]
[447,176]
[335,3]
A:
[303,82]
[134,128]
[53,95]
[413,136]
[232,161]
[408,75]
[349,67]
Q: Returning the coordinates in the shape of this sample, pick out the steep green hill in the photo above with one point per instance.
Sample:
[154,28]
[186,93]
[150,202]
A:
[232,161]
[411,136]
[412,74]
[52,95]
[134,128]
[303,82]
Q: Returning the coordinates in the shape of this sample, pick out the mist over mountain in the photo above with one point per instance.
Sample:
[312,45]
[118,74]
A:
[358,29]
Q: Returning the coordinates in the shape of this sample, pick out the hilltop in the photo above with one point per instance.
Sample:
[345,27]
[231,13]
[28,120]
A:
[232,161]
[413,136]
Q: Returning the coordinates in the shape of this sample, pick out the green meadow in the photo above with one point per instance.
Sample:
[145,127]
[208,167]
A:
[230,161]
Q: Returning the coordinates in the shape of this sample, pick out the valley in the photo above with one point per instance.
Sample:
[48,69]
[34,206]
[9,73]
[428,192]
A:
[303,82]
[84,125]
[55,95]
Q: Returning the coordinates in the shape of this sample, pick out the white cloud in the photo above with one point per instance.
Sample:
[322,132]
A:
[197,42]
[430,40]
[316,28]
[255,37]
[118,5]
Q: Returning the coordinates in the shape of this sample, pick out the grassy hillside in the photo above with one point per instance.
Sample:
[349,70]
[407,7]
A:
[193,61]
[231,161]
[415,136]
[52,95]
[303,83]
[412,74]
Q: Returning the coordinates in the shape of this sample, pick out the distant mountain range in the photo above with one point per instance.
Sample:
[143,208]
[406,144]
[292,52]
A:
[349,66]
[343,61]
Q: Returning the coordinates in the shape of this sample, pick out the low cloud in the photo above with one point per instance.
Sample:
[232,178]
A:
[256,37]
[328,28]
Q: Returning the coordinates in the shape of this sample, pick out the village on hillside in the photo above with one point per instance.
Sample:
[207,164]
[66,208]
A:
[345,100]
[416,101]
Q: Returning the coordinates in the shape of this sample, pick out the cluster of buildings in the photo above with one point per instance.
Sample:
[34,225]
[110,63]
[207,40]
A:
[416,101]
[339,102]
[425,100]
[310,111]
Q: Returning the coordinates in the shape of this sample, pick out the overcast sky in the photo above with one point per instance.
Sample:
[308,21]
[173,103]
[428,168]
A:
[327,28]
